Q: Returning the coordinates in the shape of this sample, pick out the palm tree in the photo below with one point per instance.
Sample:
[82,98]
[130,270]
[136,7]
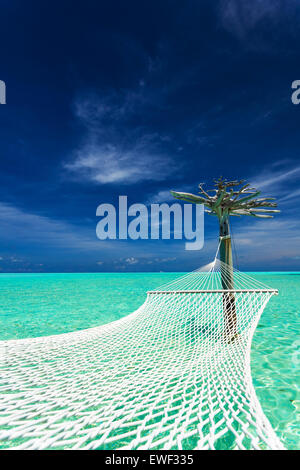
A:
[237,199]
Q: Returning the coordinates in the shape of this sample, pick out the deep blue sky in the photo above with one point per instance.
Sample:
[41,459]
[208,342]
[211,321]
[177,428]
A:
[136,98]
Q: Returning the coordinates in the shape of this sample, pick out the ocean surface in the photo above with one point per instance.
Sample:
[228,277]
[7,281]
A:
[45,304]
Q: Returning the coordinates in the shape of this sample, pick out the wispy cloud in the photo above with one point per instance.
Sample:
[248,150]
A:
[49,241]
[240,16]
[121,161]
[21,227]
[271,243]
[161,197]
[131,260]
[116,147]
[244,17]
[281,178]
[271,178]
[145,263]
[291,195]
[165,195]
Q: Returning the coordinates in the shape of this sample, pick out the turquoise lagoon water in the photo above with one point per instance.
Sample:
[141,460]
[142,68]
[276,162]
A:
[45,304]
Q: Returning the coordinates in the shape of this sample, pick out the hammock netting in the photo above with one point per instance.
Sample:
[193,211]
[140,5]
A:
[167,376]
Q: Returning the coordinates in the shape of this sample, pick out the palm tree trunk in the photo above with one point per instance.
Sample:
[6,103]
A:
[227,279]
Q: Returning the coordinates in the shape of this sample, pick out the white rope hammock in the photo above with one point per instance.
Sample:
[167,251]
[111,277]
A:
[164,377]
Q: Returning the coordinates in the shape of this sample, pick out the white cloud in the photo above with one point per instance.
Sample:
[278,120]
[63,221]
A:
[161,197]
[242,17]
[290,195]
[114,150]
[165,260]
[272,242]
[271,179]
[166,196]
[279,180]
[110,163]
[131,260]
[25,227]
